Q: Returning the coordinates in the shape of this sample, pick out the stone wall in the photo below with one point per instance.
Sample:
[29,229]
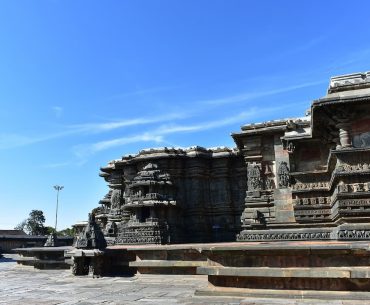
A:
[10,242]
[200,200]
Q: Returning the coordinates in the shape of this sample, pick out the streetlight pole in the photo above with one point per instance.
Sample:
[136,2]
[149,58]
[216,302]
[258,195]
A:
[57,188]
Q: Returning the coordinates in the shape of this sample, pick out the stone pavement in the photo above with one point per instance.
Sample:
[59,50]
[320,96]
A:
[27,286]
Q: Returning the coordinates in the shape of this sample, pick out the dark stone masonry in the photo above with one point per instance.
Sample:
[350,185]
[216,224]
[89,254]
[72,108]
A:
[304,178]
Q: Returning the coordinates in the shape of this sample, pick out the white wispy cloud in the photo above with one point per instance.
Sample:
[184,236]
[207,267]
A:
[11,140]
[174,128]
[115,124]
[158,135]
[83,151]
[261,93]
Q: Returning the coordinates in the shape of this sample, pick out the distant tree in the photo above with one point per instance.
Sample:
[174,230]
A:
[21,226]
[35,223]
[49,230]
[66,232]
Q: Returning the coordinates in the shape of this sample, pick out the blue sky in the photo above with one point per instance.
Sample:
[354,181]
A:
[85,82]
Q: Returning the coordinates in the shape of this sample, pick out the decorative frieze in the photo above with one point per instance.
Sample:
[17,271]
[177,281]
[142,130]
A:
[153,231]
[313,186]
[354,187]
[353,235]
[356,168]
[312,201]
[283,236]
[312,212]
[347,203]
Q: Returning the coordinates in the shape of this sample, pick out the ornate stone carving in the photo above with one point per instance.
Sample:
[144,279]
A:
[348,203]
[354,187]
[91,237]
[313,212]
[283,236]
[152,231]
[283,175]
[348,168]
[312,201]
[362,140]
[52,240]
[255,181]
[353,234]
[269,176]
[80,266]
[110,229]
[116,199]
[310,186]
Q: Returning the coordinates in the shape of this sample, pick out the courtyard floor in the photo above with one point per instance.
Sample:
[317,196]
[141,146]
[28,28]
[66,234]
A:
[27,286]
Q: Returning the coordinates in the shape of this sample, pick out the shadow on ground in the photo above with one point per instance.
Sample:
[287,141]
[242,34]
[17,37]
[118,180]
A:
[6,259]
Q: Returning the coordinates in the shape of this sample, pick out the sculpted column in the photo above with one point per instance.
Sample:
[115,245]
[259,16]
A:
[344,134]
[342,117]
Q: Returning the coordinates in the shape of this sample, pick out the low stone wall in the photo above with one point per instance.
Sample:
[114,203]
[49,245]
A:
[8,243]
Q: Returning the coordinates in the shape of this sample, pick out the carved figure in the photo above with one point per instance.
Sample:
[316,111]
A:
[91,237]
[51,240]
[283,174]
[116,199]
[254,178]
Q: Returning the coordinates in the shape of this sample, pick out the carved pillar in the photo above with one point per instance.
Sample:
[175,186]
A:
[344,135]
[342,117]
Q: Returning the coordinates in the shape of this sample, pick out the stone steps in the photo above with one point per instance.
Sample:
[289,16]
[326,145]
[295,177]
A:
[304,269]
[167,263]
[282,294]
[315,272]
[167,260]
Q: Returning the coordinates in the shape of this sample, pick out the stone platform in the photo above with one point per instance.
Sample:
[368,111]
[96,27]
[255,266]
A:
[44,257]
[304,269]
[25,285]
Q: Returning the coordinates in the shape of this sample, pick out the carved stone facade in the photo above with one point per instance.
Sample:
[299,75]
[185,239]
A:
[169,195]
[293,179]
[323,168]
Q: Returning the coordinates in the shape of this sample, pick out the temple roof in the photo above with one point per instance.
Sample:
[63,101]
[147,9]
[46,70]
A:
[347,82]
[12,232]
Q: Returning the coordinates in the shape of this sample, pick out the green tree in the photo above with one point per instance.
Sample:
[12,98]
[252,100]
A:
[35,223]
[21,226]
[66,232]
[48,230]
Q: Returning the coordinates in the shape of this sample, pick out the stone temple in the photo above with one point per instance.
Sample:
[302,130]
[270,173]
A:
[284,213]
[304,178]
